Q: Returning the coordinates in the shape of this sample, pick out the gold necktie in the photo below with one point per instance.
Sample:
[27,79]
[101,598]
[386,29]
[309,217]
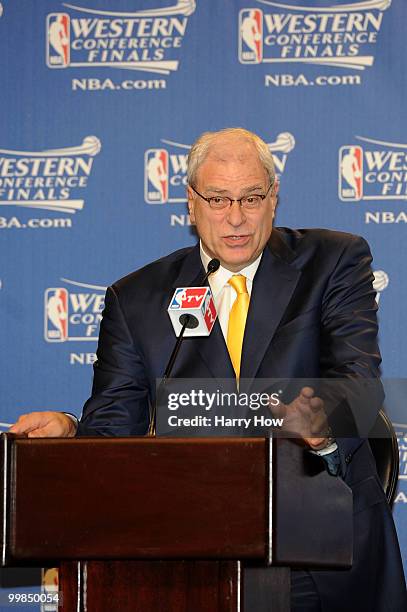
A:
[237,320]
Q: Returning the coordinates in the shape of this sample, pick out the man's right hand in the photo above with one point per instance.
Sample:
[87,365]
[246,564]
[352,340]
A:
[45,425]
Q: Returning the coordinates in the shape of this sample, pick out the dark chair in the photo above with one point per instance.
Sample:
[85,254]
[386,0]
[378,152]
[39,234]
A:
[383,442]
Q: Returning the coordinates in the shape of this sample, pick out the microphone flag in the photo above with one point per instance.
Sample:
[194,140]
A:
[196,306]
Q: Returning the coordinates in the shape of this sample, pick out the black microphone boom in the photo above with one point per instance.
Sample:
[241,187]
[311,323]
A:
[187,321]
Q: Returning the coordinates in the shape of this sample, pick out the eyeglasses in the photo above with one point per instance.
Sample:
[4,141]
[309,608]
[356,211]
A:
[249,202]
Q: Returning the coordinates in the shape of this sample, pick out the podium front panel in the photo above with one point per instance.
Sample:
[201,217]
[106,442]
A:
[117,498]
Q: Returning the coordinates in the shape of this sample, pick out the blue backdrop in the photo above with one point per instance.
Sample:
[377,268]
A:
[99,104]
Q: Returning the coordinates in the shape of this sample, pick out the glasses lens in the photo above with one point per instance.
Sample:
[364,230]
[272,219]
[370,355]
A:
[253,201]
[218,203]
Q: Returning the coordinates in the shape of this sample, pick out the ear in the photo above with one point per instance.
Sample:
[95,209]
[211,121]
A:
[191,204]
[275,203]
[276,189]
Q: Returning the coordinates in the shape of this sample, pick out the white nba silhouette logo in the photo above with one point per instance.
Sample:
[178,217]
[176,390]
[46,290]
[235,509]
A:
[178,298]
[156,176]
[250,36]
[58,35]
[56,314]
[380,283]
[351,173]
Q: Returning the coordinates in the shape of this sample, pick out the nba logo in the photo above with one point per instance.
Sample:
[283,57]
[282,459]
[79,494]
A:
[58,38]
[156,176]
[188,297]
[178,298]
[56,315]
[350,173]
[250,36]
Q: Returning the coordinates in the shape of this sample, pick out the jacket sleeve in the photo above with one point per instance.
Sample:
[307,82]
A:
[119,404]
[349,348]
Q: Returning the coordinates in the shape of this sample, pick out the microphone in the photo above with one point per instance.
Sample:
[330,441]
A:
[192,309]
[199,317]
[213,266]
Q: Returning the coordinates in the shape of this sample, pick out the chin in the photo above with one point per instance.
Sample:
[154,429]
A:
[236,262]
[240,257]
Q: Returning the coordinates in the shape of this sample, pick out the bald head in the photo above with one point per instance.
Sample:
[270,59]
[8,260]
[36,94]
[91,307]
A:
[229,144]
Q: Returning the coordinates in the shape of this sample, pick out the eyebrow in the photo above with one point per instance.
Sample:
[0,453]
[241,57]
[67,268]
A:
[246,190]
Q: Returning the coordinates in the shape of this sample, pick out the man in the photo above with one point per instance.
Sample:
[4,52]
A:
[307,305]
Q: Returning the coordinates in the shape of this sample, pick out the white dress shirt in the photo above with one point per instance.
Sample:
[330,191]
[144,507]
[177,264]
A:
[223,294]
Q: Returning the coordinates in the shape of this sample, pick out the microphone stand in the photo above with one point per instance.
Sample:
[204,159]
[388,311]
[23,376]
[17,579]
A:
[213,266]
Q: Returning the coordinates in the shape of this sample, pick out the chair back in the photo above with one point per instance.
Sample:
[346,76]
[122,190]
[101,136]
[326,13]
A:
[383,442]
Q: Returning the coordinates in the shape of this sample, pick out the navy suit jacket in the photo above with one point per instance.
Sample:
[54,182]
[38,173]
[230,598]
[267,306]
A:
[312,314]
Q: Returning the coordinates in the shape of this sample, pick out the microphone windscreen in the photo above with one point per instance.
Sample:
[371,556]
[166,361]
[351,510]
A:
[213,265]
[190,321]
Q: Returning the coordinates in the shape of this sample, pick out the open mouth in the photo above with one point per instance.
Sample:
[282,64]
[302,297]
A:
[236,239]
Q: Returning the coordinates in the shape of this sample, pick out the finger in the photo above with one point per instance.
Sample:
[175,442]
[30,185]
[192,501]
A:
[307,392]
[16,426]
[25,423]
[319,426]
[57,426]
[316,443]
[48,431]
[317,404]
[298,404]
[304,409]
[304,398]
[279,411]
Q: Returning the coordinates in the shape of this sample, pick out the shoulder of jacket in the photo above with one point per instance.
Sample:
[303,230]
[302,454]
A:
[162,268]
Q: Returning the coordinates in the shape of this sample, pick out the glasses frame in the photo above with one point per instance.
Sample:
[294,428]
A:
[231,200]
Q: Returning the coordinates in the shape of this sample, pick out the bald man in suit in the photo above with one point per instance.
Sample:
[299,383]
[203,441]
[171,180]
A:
[311,314]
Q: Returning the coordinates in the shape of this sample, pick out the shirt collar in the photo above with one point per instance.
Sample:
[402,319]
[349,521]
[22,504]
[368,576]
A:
[220,278]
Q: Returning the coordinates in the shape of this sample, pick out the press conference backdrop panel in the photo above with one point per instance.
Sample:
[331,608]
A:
[99,103]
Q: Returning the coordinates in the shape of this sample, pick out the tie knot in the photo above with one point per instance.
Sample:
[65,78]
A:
[238,282]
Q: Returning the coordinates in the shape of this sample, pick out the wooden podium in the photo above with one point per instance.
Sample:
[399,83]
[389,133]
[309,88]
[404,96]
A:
[169,525]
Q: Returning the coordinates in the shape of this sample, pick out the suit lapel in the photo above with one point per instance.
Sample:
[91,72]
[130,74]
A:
[214,352]
[272,290]
[212,349]
[273,287]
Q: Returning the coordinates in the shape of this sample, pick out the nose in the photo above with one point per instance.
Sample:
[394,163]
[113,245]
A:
[235,215]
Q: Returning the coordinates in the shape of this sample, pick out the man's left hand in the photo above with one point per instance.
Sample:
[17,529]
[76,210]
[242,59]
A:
[305,416]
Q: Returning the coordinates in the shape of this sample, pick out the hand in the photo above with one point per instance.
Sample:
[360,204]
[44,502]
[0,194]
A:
[45,425]
[305,416]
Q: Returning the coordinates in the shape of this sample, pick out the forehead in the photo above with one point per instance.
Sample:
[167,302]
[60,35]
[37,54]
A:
[231,159]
